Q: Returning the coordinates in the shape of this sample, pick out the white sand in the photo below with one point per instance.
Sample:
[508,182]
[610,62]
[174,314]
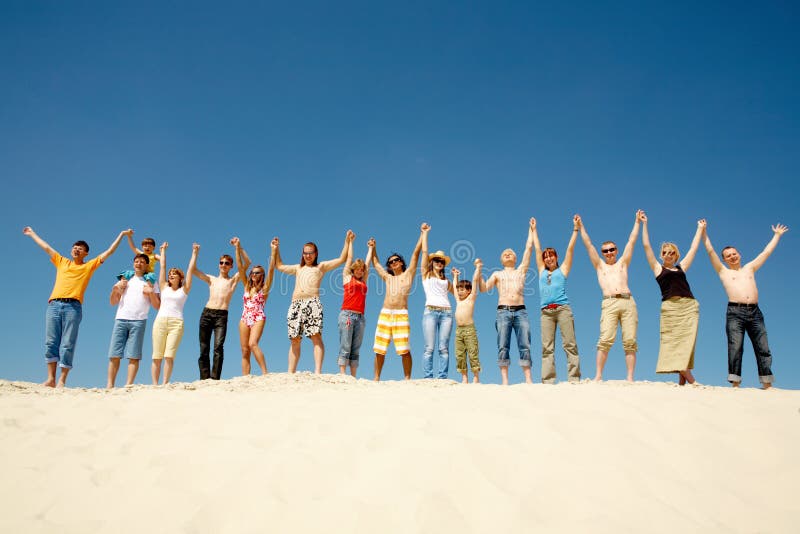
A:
[331,454]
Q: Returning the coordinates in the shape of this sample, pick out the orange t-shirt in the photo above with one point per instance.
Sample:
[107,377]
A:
[71,278]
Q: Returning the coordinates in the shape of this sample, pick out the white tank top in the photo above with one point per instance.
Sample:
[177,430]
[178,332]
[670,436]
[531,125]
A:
[172,301]
[435,292]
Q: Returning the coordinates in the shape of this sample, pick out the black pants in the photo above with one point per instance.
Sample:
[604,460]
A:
[212,321]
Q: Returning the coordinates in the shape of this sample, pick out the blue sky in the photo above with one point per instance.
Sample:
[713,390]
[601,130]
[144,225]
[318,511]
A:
[198,121]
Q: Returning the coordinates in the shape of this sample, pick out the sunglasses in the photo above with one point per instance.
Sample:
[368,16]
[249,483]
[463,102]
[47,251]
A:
[438,260]
[308,253]
[394,260]
[667,252]
[609,250]
[225,262]
[254,273]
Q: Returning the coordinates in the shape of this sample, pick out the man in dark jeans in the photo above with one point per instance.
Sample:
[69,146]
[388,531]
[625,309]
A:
[215,315]
[743,313]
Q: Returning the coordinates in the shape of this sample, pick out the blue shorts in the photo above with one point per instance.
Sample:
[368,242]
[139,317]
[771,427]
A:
[127,339]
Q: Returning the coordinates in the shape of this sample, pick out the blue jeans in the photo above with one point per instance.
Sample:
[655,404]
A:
[436,325]
[127,339]
[61,331]
[516,320]
[747,318]
[351,334]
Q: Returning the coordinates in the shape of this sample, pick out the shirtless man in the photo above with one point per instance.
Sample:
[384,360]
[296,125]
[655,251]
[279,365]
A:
[466,336]
[215,315]
[618,304]
[65,306]
[393,320]
[304,317]
[743,312]
[511,312]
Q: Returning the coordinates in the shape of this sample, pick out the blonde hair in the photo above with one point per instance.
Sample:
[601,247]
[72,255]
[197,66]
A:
[673,247]
[357,264]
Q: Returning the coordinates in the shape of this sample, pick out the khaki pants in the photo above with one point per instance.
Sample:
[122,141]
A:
[467,345]
[617,311]
[562,318]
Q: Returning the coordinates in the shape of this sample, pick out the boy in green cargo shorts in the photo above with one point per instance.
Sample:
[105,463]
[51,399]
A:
[466,336]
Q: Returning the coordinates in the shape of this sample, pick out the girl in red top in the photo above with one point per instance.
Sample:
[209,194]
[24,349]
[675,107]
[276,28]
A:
[351,318]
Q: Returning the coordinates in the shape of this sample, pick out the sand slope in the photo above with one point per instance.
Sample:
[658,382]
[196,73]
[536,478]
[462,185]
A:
[304,453]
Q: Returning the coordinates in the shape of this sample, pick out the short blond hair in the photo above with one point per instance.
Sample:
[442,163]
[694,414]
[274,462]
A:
[357,264]
[673,247]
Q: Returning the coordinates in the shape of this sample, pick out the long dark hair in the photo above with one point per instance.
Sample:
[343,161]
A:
[316,255]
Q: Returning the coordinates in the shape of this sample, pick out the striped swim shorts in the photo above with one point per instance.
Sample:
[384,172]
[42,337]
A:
[392,324]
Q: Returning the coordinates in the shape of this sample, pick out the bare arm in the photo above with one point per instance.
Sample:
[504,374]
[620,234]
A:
[593,256]
[187,284]
[712,255]
[778,231]
[566,265]
[242,260]
[627,253]
[376,262]
[110,250]
[526,256]
[424,229]
[329,265]
[489,283]
[288,269]
[162,270]
[270,270]
[133,246]
[455,272]
[155,298]
[648,249]
[368,259]
[346,276]
[687,260]
[116,292]
[476,279]
[412,266]
[28,231]
[537,246]
[197,272]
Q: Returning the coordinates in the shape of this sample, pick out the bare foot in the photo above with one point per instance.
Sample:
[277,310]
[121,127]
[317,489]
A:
[681,380]
[476,380]
[766,385]
[464,379]
[735,384]
[629,379]
[50,382]
[598,378]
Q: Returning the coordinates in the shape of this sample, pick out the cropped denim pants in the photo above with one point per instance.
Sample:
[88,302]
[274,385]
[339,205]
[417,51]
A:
[351,334]
[437,325]
[516,321]
[61,331]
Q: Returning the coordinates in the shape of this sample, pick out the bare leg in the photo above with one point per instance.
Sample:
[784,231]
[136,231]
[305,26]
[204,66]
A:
[601,363]
[681,378]
[630,363]
[686,376]
[527,371]
[168,363]
[407,365]
[294,353]
[379,359]
[504,374]
[342,369]
[133,368]
[476,379]
[353,370]
[244,345]
[255,337]
[113,367]
[319,353]
[62,380]
[155,371]
[464,378]
[51,375]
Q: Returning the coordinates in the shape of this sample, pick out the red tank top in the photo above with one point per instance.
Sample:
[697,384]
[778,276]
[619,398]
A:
[355,296]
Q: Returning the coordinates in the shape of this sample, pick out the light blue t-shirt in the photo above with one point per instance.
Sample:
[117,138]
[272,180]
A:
[552,287]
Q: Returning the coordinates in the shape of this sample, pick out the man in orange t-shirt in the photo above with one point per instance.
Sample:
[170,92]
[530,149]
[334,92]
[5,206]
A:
[64,308]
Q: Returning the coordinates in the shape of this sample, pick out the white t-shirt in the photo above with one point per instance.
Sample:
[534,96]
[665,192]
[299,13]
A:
[134,304]
[436,292]
[172,301]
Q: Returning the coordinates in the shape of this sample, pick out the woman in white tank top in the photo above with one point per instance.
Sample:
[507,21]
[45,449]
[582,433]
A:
[168,326]
[437,321]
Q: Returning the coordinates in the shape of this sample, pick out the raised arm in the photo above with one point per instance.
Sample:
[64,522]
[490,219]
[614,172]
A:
[412,265]
[270,270]
[778,230]
[133,246]
[191,269]
[329,265]
[526,256]
[476,279]
[687,260]
[242,260]
[593,256]
[566,265]
[712,254]
[537,247]
[162,270]
[110,250]
[627,253]
[368,259]
[288,269]
[346,276]
[375,261]
[455,272]
[197,272]
[28,231]
[424,229]
[648,249]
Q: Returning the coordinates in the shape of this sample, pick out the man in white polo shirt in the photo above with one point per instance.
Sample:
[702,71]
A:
[133,299]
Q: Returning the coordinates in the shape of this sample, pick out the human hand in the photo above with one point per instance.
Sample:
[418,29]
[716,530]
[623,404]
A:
[128,232]
[455,271]
[27,230]
[577,221]
[164,246]
[274,243]
[148,289]
[195,247]
[425,227]
[122,285]
[641,217]
[349,236]
[701,224]
[235,241]
[780,229]
[371,242]
[478,263]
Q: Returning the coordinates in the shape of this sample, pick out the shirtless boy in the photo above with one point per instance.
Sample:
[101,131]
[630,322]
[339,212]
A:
[65,306]
[743,314]
[618,307]
[393,320]
[304,317]
[214,317]
[466,336]
[511,312]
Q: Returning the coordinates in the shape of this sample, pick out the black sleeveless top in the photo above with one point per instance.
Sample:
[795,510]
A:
[673,283]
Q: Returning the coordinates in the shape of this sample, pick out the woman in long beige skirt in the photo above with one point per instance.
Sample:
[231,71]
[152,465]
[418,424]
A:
[680,312]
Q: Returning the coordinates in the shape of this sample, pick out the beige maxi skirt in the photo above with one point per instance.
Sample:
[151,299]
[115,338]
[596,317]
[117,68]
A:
[679,319]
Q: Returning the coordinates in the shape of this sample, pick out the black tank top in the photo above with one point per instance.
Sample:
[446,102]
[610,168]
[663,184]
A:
[673,283]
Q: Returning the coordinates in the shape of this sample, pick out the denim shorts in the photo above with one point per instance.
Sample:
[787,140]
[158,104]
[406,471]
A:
[127,339]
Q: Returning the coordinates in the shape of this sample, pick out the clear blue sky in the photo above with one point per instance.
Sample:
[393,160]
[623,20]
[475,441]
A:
[197,121]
